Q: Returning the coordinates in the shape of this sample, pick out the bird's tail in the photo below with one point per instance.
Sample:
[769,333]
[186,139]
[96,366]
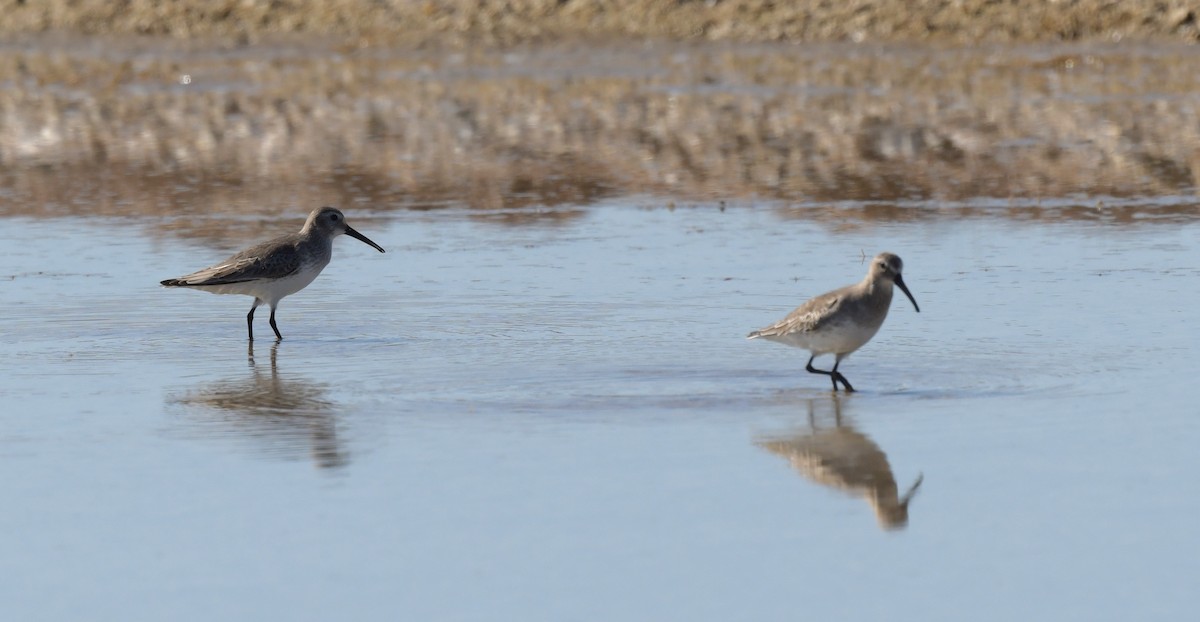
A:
[173,283]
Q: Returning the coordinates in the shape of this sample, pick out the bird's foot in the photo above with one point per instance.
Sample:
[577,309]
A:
[838,377]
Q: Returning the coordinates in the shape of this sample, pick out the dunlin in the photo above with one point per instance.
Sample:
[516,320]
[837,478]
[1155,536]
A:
[841,321]
[278,267]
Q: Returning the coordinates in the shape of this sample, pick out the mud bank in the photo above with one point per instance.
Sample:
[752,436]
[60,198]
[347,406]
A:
[570,124]
[508,22]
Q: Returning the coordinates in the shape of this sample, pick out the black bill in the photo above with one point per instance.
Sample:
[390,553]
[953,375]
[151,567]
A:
[899,281]
[358,236]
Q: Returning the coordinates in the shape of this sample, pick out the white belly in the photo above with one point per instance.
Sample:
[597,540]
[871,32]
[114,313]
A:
[831,339]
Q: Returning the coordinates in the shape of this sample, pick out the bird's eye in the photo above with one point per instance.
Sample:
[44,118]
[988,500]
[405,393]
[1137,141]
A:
[333,217]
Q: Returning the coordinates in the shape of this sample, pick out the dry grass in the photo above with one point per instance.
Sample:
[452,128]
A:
[98,126]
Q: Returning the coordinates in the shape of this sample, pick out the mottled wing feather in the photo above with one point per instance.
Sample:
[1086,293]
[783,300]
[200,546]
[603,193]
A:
[808,317]
[270,260]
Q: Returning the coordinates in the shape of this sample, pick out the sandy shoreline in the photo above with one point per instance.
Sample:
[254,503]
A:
[507,22]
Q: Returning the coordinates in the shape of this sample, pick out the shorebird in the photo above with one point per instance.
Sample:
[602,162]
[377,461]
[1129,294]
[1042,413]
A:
[278,267]
[843,320]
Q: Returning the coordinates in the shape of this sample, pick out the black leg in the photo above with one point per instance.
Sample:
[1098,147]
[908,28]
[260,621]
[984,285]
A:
[814,370]
[273,326]
[834,375]
[838,376]
[250,320]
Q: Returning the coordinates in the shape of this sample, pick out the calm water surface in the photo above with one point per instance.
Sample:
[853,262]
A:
[561,420]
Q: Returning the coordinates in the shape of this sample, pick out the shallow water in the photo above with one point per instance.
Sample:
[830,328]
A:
[521,416]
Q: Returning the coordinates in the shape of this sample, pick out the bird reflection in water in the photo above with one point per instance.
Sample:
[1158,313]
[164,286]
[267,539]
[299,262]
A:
[278,412]
[843,458]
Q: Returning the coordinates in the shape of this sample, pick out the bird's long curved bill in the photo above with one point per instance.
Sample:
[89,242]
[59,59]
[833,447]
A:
[358,236]
[899,281]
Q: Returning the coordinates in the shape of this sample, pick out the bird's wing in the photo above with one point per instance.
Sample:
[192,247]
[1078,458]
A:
[270,260]
[808,317]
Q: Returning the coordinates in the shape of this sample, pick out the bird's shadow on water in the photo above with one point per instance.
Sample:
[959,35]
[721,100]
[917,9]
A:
[283,414]
[830,451]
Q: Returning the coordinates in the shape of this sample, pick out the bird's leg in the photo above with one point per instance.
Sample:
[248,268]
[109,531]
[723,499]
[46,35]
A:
[838,376]
[275,328]
[250,318]
[814,370]
[834,375]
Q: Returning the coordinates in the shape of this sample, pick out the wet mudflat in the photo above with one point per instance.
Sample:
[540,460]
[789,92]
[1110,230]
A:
[561,419]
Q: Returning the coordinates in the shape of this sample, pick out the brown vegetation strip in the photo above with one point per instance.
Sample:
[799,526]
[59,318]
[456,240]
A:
[105,126]
[458,22]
